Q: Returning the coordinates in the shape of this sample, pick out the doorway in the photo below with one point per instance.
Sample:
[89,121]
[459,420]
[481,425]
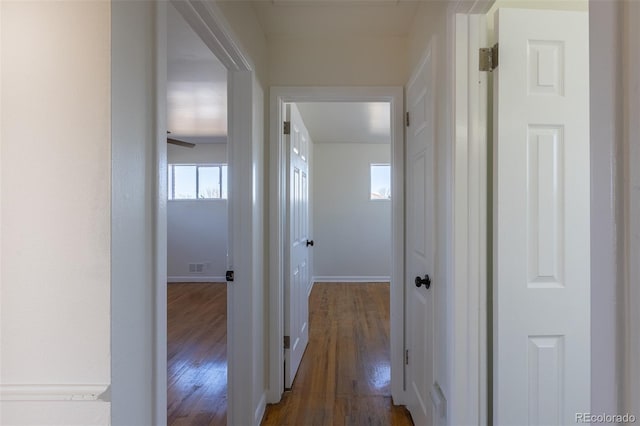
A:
[279,97]
[197,228]
[350,201]
[349,250]
[243,124]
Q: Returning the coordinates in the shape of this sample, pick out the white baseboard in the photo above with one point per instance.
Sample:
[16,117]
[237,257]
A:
[350,279]
[196,279]
[260,409]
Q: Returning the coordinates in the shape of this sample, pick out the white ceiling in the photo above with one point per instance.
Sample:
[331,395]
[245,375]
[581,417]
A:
[196,85]
[197,81]
[336,17]
[347,122]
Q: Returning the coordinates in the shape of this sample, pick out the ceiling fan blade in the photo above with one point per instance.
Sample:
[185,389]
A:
[180,143]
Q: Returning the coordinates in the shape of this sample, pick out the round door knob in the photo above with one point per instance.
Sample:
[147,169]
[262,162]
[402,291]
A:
[426,281]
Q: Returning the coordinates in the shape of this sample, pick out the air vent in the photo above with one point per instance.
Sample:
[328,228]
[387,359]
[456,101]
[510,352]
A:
[196,268]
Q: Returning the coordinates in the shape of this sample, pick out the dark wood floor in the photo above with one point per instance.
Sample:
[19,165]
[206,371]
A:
[197,354]
[344,377]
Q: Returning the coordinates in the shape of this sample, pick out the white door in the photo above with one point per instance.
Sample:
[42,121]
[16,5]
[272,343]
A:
[420,242]
[541,218]
[296,290]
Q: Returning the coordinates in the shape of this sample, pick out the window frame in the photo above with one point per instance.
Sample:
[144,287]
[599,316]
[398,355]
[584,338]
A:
[171,181]
[378,164]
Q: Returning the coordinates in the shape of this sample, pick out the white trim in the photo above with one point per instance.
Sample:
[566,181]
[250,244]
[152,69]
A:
[631,210]
[468,266]
[1,174]
[47,392]
[205,18]
[260,409]
[479,7]
[350,279]
[198,279]
[278,96]
[240,300]
[468,400]
[159,380]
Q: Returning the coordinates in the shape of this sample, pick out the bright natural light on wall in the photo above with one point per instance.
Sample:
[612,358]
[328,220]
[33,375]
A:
[380,182]
[197,182]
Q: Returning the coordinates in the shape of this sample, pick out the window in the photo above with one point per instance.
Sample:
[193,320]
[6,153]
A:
[380,182]
[197,181]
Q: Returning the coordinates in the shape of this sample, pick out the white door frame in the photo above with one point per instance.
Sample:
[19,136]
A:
[631,208]
[469,381]
[277,221]
[469,393]
[206,20]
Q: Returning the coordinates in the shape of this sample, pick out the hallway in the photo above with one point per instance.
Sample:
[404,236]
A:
[344,377]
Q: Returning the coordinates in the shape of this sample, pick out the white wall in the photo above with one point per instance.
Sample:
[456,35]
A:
[243,23]
[201,153]
[55,213]
[197,230]
[338,61]
[352,233]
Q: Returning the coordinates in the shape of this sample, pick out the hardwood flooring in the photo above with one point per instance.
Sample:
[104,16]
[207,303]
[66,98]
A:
[344,377]
[197,354]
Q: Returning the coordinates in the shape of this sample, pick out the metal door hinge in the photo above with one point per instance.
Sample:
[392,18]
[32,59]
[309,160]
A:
[407,120]
[406,356]
[287,342]
[488,58]
[287,127]
[229,276]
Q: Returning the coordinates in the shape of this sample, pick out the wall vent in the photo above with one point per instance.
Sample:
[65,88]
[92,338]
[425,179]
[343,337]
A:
[196,268]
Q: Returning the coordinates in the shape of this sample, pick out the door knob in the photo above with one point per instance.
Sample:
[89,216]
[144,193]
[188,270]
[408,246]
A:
[426,281]
[309,243]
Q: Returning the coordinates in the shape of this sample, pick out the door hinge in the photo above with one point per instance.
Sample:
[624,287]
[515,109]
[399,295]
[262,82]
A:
[488,58]
[406,356]
[287,342]
[287,127]
[407,120]
[229,276]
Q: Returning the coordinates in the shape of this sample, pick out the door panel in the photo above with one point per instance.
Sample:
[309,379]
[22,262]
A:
[541,218]
[297,283]
[420,242]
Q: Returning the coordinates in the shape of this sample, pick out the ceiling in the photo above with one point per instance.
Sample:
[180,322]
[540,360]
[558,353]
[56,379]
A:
[336,17]
[347,122]
[196,86]
[197,81]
